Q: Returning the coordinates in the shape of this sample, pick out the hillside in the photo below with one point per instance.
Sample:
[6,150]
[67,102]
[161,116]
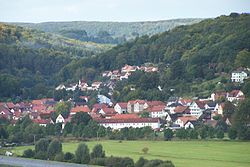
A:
[107,32]
[30,58]
[187,56]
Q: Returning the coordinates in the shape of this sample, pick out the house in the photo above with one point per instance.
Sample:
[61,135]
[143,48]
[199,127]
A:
[136,106]
[115,75]
[185,102]
[211,106]
[235,95]
[60,87]
[182,110]
[83,85]
[117,124]
[106,74]
[239,76]
[196,108]
[186,121]
[107,112]
[218,95]
[5,112]
[171,107]
[62,120]
[157,111]
[16,115]
[221,108]
[125,75]
[97,107]
[129,69]
[77,109]
[121,107]
[71,87]
[96,85]
[104,99]
[125,116]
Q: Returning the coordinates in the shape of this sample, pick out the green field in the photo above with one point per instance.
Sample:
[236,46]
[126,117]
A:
[181,153]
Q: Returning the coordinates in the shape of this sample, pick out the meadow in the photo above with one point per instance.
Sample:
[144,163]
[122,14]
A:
[181,153]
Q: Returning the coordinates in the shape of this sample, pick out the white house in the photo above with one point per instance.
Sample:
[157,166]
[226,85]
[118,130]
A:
[196,108]
[186,122]
[235,95]
[154,123]
[121,108]
[239,76]
[157,111]
[137,106]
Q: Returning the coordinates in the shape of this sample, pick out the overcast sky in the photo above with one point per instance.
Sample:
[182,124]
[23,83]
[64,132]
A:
[116,10]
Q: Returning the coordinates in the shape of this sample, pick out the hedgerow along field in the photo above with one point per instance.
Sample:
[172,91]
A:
[181,153]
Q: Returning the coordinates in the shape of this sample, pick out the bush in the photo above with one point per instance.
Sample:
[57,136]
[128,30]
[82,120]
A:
[69,157]
[97,152]
[119,162]
[28,153]
[220,134]
[145,150]
[232,134]
[141,162]
[59,157]
[98,161]
[82,154]
[41,155]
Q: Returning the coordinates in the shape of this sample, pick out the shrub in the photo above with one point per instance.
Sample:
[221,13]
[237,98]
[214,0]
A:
[28,153]
[59,157]
[98,161]
[69,157]
[145,150]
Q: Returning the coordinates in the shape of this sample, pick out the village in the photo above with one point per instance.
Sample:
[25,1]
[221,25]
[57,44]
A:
[175,113]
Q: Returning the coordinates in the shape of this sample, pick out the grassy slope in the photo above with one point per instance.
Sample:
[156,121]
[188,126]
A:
[182,153]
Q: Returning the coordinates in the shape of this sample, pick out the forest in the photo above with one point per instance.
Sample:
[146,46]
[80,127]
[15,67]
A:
[191,59]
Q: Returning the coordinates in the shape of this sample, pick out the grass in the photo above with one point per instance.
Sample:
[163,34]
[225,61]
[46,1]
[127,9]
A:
[181,153]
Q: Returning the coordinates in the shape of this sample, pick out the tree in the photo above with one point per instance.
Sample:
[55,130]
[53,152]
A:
[54,148]
[220,134]
[82,154]
[29,153]
[81,118]
[59,157]
[68,156]
[63,108]
[193,134]
[242,120]
[228,109]
[182,133]
[232,133]
[168,134]
[42,145]
[141,162]
[144,115]
[97,152]
[243,59]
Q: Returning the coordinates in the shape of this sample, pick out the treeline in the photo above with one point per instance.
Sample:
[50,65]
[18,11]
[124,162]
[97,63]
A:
[186,55]
[119,31]
[52,150]
[101,37]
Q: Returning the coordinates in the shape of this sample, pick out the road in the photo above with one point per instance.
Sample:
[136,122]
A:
[23,162]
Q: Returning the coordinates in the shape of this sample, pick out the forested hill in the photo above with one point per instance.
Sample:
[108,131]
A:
[30,58]
[186,54]
[107,32]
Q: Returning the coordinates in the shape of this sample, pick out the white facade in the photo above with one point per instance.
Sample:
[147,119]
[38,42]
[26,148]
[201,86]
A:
[119,109]
[239,76]
[195,110]
[119,124]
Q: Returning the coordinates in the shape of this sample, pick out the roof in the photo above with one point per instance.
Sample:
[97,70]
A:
[187,118]
[133,120]
[84,108]
[125,116]
[5,110]
[156,103]
[181,109]
[201,104]
[137,101]
[156,108]
[109,110]
[234,93]
[10,105]
[122,104]
[185,101]
[41,121]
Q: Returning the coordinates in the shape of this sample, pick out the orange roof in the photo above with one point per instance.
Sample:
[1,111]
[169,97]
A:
[137,101]
[109,110]
[187,118]
[84,108]
[10,105]
[156,103]
[234,93]
[122,104]
[39,108]
[156,108]
[125,116]
[181,109]
[37,102]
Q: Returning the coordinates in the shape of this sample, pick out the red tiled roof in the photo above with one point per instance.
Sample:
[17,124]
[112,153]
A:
[10,105]
[185,101]
[109,110]
[181,109]
[134,120]
[37,102]
[234,93]
[200,104]
[187,118]
[122,104]
[125,116]
[84,108]
[156,103]
[41,121]
[39,108]
[137,101]
[156,108]
[98,106]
